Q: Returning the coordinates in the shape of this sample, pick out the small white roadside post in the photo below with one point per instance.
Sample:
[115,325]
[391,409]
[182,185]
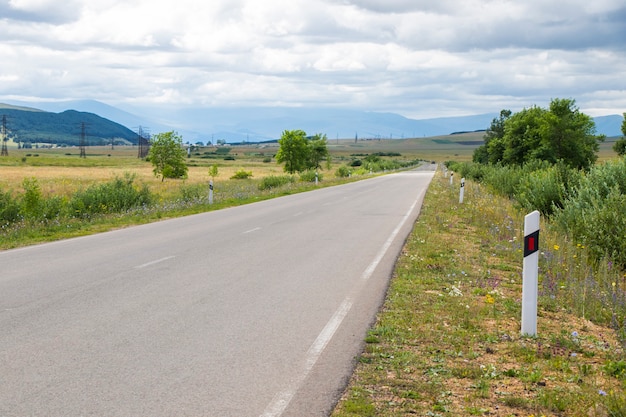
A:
[211,192]
[316,180]
[451,177]
[462,192]
[530,274]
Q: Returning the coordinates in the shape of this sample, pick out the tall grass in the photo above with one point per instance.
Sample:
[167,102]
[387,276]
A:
[585,270]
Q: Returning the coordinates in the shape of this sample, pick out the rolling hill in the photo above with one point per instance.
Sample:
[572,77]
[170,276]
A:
[30,125]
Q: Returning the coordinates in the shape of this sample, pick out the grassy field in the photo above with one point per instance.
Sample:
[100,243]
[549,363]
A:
[60,171]
[447,341]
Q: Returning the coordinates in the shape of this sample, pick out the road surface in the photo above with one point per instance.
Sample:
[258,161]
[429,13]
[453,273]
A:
[258,310]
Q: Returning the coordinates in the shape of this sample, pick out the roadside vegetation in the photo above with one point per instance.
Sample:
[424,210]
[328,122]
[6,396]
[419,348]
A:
[447,341]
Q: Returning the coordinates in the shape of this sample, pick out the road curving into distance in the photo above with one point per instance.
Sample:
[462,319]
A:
[258,310]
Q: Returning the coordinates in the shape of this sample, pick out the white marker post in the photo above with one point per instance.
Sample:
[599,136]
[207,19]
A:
[462,192]
[211,192]
[530,274]
[316,179]
[451,177]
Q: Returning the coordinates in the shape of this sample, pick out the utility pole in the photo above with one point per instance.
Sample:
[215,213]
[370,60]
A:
[81,144]
[143,143]
[5,137]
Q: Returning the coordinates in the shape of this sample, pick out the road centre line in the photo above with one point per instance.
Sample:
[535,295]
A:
[256,229]
[281,400]
[154,262]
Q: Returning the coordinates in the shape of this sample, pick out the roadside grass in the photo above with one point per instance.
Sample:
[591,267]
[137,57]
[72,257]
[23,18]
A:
[172,200]
[447,340]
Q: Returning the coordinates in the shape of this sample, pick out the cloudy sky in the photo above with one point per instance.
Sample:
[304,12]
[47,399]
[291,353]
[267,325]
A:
[419,58]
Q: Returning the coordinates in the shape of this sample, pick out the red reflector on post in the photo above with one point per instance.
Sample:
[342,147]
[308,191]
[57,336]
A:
[531,243]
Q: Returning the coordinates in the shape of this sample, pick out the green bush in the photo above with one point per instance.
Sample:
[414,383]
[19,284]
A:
[194,193]
[592,213]
[32,198]
[541,190]
[275,181]
[241,175]
[309,176]
[112,197]
[503,180]
[9,208]
[342,172]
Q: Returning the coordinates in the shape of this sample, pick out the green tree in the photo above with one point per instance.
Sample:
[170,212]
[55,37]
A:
[317,151]
[522,136]
[620,144]
[493,149]
[560,133]
[167,155]
[293,151]
[569,135]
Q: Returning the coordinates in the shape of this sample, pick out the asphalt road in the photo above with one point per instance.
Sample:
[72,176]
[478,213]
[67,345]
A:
[258,310]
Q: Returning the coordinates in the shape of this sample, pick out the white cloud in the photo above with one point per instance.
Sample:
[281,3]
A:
[415,57]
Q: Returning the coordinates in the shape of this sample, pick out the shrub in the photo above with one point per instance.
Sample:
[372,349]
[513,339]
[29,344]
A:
[503,180]
[241,175]
[193,193]
[275,181]
[9,208]
[541,190]
[32,198]
[309,176]
[592,212]
[111,197]
[342,172]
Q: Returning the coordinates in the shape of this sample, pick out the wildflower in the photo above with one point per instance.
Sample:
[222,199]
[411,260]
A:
[574,334]
[557,247]
[489,299]
[602,392]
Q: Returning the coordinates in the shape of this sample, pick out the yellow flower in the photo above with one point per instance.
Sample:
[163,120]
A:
[557,247]
[489,299]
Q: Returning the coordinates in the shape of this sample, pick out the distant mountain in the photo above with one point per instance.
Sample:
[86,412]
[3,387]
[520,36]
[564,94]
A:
[261,124]
[26,124]
[267,123]
[609,125]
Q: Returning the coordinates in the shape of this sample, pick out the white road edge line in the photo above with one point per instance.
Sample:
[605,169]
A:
[281,400]
[256,229]
[154,262]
